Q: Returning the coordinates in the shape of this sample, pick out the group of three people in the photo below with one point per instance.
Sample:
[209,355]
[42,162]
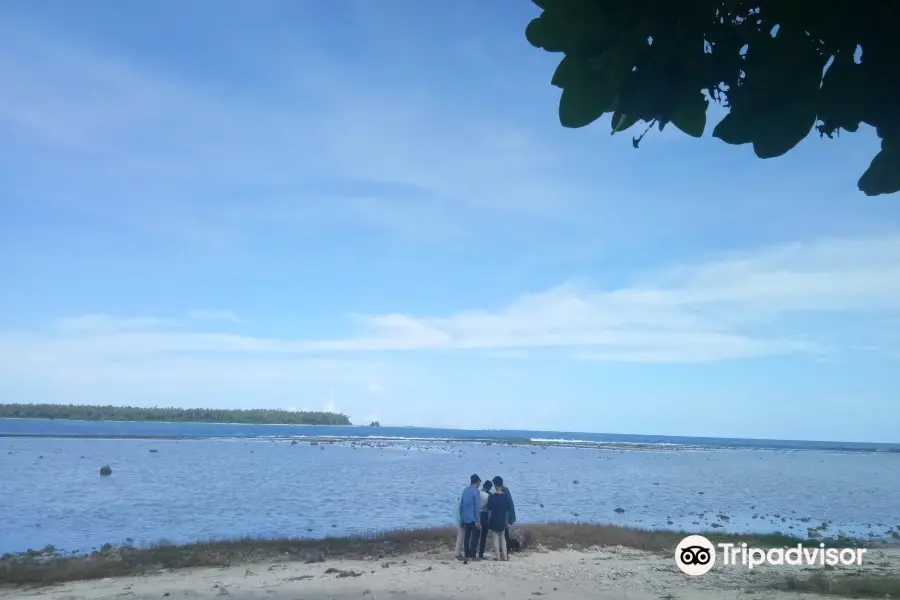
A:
[489,509]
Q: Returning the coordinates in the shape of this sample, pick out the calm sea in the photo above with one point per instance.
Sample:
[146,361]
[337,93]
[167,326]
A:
[191,481]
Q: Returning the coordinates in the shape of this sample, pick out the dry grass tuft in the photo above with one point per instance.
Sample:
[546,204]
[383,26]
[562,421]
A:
[849,585]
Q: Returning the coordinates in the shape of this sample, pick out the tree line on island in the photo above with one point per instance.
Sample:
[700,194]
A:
[255,416]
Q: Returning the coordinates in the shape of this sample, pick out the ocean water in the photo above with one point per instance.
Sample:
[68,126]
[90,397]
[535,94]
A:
[220,481]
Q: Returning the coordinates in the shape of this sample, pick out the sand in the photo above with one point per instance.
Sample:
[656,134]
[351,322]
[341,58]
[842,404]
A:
[601,574]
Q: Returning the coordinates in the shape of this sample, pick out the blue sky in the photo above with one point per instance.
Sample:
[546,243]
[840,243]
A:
[371,207]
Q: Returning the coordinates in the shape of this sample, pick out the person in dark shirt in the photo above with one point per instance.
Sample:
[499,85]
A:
[512,510]
[498,515]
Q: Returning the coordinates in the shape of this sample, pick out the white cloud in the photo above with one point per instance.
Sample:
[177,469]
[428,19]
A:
[799,298]
[732,307]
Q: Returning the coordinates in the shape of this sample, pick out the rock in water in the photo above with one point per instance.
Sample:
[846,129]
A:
[105,471]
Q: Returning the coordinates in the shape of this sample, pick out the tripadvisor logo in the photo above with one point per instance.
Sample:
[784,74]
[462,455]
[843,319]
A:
[696,555]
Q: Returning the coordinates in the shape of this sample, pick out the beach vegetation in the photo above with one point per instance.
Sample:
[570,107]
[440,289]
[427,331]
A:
[49,567]
[255,416]
[850,585]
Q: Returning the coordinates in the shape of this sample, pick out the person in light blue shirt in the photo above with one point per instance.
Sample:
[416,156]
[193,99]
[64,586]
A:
[470,518]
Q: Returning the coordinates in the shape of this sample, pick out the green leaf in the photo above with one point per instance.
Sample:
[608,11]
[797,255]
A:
[785,94]
[690,115]
[616,63]
[548,32]
[734,129]
[535,33]
[621,121]
[636,99]
[542,4]
[784,128]
[883,174]
[585,101]
[565,73]
[586,95]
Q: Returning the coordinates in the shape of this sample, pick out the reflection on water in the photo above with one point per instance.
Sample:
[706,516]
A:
[52,492]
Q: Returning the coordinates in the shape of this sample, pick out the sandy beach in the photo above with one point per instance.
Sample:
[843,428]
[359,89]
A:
[603,573]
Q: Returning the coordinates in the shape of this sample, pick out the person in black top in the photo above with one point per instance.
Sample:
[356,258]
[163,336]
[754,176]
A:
[512,509]
[485,497]
[498,514]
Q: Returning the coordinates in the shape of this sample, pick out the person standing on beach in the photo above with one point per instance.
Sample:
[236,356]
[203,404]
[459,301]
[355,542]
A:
[460,529]
[511,516]
[498,514]
[470,517]
[485,497]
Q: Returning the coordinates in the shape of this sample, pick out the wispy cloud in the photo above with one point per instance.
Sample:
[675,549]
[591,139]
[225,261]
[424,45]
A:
[752,304]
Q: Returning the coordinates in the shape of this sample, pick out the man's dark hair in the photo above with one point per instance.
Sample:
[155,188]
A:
[475,479]
[498,481]
[488,485]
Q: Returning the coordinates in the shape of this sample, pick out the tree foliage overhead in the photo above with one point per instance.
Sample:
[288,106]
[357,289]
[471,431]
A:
[257,416]
[780,67]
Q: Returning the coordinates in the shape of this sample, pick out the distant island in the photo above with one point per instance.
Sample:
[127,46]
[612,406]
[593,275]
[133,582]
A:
[256,416]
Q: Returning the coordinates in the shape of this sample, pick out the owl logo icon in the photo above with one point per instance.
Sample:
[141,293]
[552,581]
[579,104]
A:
[695,555]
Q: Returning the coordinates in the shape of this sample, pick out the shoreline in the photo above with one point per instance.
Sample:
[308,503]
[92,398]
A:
[641,441]
[376,441]
[611,549]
